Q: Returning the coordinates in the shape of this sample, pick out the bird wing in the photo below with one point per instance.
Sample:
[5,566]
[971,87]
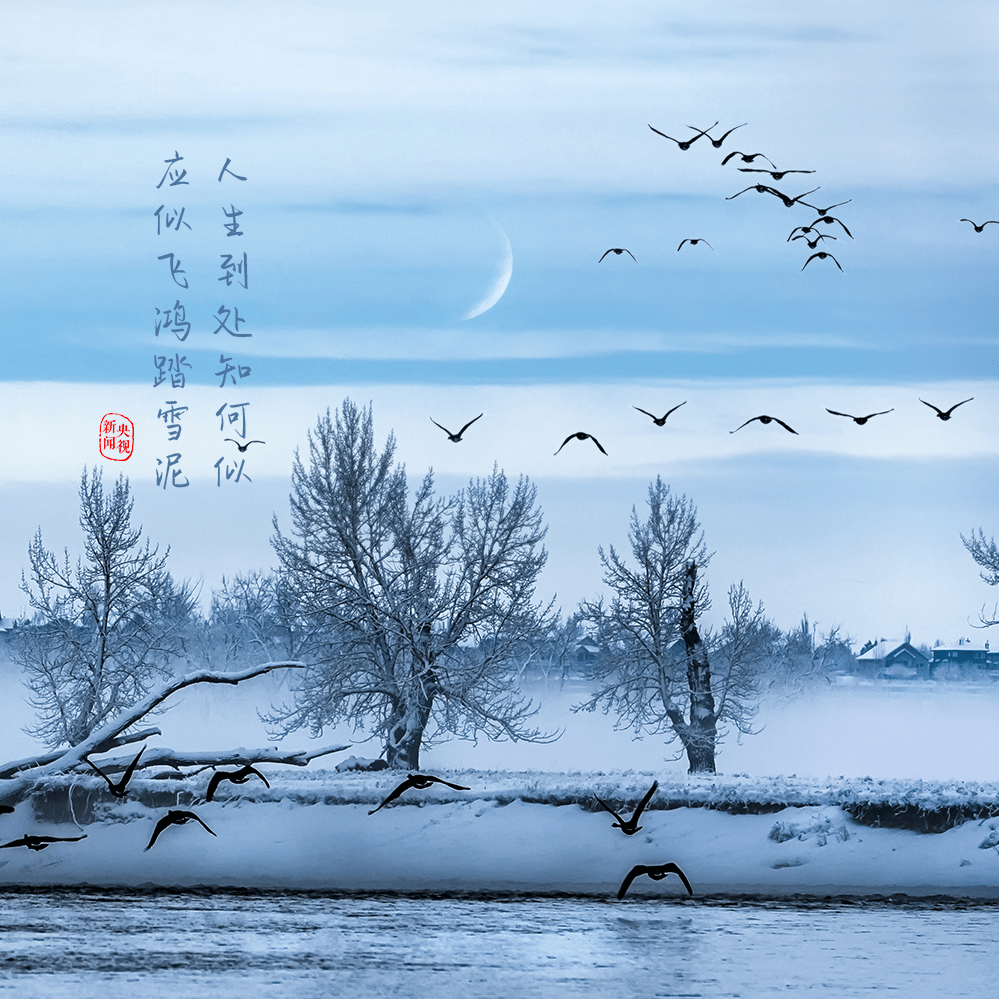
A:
[65,839]
[609,809]
[198,818]
[259,774]
[230,439]
[131,769]
[752,170]
[665,136]
[729,132]
[752,187]
[213,784]
[930,404]
[834,413]
[404,786]
[445,429]
[812,191]
[630,254]
[808,261]
[708,244]
[831,207]
[101,772]
[644,802]
[639,408]
[783,424]
[741,425]
[966,220]
[635,872]
[600,261]
[673,869]
[956,404]
[599,445]
[23,841]
[737,153]
[457,787]
[566,441]
[882,413]
[681,244]
[160,826]
[675,408]
[835,261]
[248,443]
[847,231]
[470,422]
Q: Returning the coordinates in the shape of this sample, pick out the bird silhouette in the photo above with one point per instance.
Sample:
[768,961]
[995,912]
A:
[174,817]
[826,211]
[657,873]
[979,228]
[746,157]
[860,420]
[812,243]
[804,230]
[789,202]
[581,437]
[945,415]
[760,188]
[234,776]
[687,143]
[118,790]
[693,242]
[717,143]
[775,173]
[456,437]
[660,420]
[829,219]
[243,447]
[41,842]
[6,809]
[764,420]
[630,826]
[822,256]
[419,781]
[618,250]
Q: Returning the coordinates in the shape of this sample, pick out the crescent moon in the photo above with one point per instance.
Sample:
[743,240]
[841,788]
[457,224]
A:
[495,293]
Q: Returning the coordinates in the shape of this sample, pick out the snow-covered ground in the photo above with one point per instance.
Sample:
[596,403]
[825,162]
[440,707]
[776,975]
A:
[927,745]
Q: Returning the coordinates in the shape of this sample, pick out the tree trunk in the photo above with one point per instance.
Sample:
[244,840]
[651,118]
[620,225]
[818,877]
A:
[701,736]
[405,735]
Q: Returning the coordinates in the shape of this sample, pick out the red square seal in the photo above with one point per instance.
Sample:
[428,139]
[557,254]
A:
[116,437]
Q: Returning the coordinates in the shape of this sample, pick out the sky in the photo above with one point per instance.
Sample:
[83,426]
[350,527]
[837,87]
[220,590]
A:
[399,161]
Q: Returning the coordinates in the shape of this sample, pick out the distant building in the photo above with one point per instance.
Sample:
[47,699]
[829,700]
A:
[965,653]
[890,659]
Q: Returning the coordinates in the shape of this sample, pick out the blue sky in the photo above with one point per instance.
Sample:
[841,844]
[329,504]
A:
[380,142]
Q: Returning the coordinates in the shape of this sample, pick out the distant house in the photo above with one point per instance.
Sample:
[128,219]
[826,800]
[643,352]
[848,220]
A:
[965,653]
[893,660]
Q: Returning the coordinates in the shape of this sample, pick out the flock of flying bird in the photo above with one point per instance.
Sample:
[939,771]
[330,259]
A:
[179,817]
[659,421]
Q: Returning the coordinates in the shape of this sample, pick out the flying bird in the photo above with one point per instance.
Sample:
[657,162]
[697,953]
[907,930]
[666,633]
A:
[118,790]
[979,228]
[764,420]
[804,229]
[174,818]
[618,250]
[812,243]
[243,447]
[235,776]
[457,437]
[41,842]
[6,809]
[631,826]
[829,219]
[656,873]
[746,157]
[775,173]
[581,437]
[789,201]
[860,420]
[687,143]
[940,413]
[822,256]
[826,211]
[693,242]
[761,188]
[717,143]
[657,420]
[419,781]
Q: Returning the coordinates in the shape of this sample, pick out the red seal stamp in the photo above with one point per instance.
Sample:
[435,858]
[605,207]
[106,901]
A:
[116,437]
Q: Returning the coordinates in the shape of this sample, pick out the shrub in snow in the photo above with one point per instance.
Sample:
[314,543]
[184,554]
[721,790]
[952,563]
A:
[820,829]
[359,763]
[991,840]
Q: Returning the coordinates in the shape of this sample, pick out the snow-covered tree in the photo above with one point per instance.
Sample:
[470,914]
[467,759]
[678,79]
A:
[423,607]
[986,554]
[104,630]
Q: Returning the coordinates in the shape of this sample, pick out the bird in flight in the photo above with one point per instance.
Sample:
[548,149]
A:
[945,415]
[822,256]
[826,211]
[746,157]
[419,781]
[693,242]
[717,143]
[860,420]
[829,219]
[812,243]
[6,809]
[618,250]
[118,790]
[686,144]
[656,873]
[243,447]
[581,437]
[631,826]
[657,420]
[764,420]
[235,776]
[761,188]
[788,201]
[775,173]
[41,842]
[979,228]
[457,437]
[804,230]
[174,817]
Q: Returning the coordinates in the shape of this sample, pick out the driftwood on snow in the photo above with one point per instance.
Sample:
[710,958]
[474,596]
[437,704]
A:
[163,757]
[32,762]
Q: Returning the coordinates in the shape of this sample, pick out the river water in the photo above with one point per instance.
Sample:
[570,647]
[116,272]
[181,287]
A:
[96,944]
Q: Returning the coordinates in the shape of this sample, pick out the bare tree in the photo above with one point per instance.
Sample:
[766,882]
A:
[423,608]
[655,670]
[986,554]
[104,630]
